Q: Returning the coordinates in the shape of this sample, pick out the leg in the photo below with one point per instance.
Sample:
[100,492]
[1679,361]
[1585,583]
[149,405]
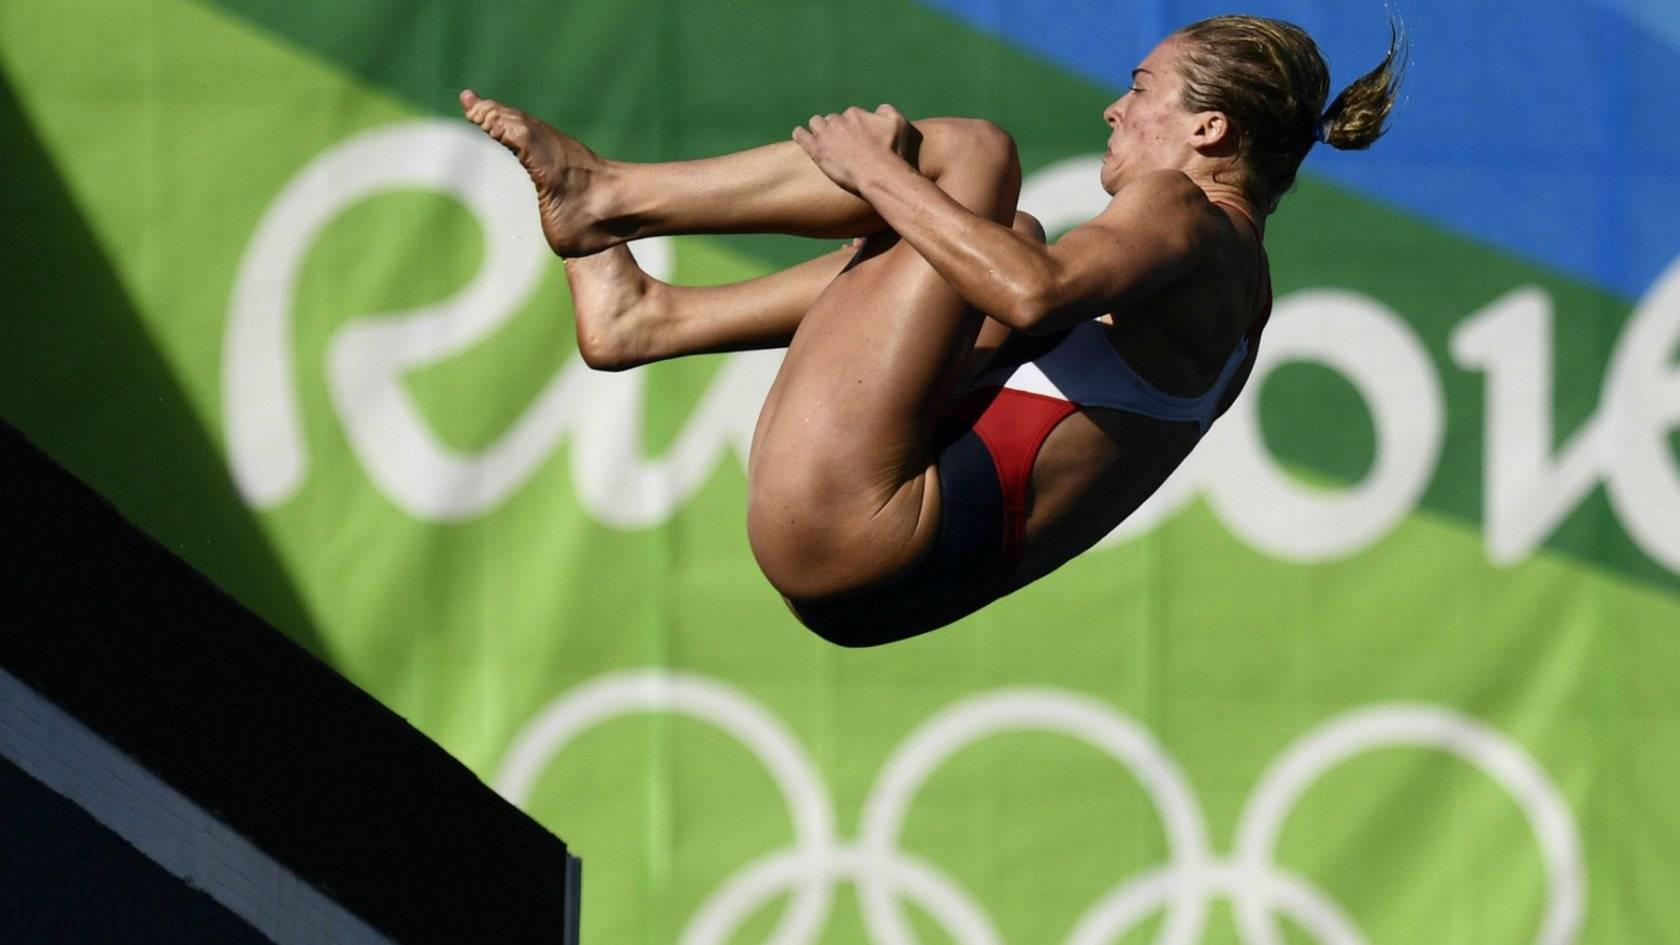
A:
[842,489]
[588,204]
[626,318]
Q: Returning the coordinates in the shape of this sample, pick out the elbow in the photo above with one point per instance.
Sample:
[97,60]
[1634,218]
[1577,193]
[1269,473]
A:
[1028,311]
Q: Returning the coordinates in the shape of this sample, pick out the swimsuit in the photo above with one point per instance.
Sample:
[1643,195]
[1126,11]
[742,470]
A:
[986,444]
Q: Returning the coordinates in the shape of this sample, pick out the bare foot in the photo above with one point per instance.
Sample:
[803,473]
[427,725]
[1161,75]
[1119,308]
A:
[562,169]
[617,307]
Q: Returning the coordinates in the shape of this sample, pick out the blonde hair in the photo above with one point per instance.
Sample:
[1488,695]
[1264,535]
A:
[1269,78]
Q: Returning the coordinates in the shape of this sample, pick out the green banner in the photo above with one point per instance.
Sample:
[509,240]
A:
[1388,661]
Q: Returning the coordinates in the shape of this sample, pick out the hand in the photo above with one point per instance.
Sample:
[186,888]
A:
[846,145]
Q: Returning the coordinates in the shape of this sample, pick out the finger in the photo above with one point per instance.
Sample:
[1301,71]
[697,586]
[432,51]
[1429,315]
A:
[888,111]
[803,137]
[468,97]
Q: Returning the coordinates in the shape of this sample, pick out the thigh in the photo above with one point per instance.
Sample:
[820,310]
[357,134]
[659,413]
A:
[844,490]
[843,487]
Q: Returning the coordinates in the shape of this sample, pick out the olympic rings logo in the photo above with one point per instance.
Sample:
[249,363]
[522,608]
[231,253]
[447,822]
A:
[1185,885]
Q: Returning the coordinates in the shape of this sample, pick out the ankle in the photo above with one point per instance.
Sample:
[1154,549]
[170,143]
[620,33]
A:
[630,334]
[613,201]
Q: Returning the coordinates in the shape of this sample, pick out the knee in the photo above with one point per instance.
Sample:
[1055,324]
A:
[987,138]
[1027,225]
[969,140]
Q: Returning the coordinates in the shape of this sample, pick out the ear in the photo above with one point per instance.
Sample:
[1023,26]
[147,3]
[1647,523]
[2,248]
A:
[1211,133]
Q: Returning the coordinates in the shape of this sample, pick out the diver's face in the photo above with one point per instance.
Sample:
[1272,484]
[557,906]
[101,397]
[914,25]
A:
[1149,128]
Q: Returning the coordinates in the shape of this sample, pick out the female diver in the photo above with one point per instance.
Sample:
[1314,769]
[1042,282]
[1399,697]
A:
[963,408]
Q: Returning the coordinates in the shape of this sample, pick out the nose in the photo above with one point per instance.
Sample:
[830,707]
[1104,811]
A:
[1111,114]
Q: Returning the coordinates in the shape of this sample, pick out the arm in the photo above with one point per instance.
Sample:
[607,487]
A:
[1149,236]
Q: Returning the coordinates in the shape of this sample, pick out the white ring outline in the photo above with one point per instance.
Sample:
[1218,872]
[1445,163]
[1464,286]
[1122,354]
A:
[1037,709]
[1422,726]
[1186,885]
[807,798]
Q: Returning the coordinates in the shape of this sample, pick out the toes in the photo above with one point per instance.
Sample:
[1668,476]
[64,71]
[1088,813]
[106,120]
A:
[477,109]
[506,124]
[482,111]
[516,134]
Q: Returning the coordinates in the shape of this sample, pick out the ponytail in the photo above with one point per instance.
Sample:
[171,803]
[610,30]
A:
[1355,120]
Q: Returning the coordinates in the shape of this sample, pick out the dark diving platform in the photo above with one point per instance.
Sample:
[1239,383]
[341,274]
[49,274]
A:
[174,769]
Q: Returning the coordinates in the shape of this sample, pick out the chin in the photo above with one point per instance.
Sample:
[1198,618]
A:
[1109,176]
